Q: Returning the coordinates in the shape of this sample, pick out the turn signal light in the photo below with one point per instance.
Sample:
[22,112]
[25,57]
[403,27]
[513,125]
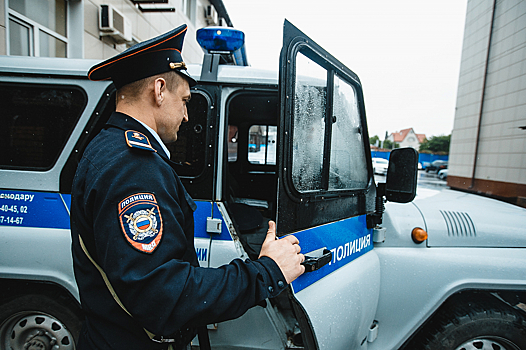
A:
[419,235]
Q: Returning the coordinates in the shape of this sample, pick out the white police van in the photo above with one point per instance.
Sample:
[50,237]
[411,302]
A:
[443,272]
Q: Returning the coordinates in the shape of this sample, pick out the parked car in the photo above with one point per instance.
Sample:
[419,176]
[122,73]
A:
[437,165]
[380,166]
[442,174]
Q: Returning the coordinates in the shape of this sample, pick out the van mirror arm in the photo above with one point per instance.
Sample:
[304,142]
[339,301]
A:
[375,219]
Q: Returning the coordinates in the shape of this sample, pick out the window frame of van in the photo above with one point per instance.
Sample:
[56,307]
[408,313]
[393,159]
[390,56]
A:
[325,190]
[304,210]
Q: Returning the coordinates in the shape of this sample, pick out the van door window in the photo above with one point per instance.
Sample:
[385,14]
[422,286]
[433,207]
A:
[323,170]
[309,125]
[319,145]
[36,123]
[348,167]
[262,144]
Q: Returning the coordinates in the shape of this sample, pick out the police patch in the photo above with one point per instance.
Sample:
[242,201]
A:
[141,221]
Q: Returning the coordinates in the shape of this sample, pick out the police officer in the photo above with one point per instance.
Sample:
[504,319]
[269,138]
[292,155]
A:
[139,280]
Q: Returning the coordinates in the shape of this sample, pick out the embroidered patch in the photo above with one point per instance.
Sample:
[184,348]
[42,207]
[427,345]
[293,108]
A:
[136,139]
[141,221]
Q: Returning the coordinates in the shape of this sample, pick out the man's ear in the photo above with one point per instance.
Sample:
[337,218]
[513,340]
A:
[159,89]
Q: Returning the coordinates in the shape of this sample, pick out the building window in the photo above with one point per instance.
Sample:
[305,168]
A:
[188,9]
[37,28]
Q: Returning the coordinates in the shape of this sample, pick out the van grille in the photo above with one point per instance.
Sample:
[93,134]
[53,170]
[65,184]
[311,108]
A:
[458,224]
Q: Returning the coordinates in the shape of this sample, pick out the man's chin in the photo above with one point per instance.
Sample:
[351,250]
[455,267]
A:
[171,140]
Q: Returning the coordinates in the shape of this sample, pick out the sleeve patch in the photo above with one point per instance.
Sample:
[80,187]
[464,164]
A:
[136,139]
[141,221]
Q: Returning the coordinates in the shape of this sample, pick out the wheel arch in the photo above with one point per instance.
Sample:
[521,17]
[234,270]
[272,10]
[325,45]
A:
[513,301]
[14,288]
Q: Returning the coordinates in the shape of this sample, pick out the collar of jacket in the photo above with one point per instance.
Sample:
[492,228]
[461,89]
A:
[125,122]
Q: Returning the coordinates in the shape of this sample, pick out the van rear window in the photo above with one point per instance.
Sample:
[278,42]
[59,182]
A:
[36,122]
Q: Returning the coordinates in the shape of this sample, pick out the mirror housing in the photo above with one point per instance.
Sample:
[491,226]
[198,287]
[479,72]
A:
[402,175]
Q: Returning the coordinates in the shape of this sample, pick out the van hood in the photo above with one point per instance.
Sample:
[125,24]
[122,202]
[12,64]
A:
[459,219]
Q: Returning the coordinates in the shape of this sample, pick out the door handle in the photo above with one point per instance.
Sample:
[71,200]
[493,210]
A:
[316,259]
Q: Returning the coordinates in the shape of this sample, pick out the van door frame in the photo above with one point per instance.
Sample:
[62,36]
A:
[302,208]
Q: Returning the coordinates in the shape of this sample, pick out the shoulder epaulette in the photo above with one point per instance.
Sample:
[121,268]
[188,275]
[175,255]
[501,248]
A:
[136,139]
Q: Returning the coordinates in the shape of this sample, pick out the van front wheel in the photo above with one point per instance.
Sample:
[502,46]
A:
[469,327]
[38,322]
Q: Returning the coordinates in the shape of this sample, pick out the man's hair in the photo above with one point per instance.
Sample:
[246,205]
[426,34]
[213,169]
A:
[133,91]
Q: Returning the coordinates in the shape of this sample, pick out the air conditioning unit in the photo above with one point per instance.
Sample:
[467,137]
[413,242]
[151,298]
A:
[113,23]
[211,16]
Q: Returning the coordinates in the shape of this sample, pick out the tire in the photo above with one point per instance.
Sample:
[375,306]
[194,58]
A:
[471,327]
[40,321]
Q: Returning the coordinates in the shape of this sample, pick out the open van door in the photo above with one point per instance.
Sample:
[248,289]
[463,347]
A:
[325,190]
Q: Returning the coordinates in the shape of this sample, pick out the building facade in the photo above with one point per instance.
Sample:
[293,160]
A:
[488,141]
[407,138]
[72,28]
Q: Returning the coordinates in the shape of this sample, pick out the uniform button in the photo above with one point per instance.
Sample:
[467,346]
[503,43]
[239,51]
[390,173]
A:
[271,289]
[281,284]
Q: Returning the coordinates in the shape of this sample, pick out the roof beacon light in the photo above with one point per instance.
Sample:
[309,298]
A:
[220,39]
[224,41]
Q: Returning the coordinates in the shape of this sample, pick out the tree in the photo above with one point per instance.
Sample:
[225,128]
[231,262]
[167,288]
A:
[390,145]
[436,144]
[373,140]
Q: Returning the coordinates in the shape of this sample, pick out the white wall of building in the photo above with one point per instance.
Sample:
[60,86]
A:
[497,104]
[84,39]
[144,26]
[502,147]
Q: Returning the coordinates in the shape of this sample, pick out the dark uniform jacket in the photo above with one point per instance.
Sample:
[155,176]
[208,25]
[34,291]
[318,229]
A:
[136,219]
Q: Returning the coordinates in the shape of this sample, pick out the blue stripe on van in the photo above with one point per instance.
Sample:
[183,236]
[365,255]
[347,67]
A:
[348,239]
[51,210]
[203,211]
[34,209]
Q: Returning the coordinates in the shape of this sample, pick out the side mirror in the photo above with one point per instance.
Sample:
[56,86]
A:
[402,175]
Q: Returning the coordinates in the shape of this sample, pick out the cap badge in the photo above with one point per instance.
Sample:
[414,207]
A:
[180,65]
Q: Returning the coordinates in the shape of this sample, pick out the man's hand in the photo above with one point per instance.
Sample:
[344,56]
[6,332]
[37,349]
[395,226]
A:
[285,252]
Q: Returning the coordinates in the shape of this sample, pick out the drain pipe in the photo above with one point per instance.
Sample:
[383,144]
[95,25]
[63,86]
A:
[481,109]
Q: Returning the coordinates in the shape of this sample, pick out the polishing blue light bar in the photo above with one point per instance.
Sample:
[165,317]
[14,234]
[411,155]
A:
[220,39]
[223,40]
